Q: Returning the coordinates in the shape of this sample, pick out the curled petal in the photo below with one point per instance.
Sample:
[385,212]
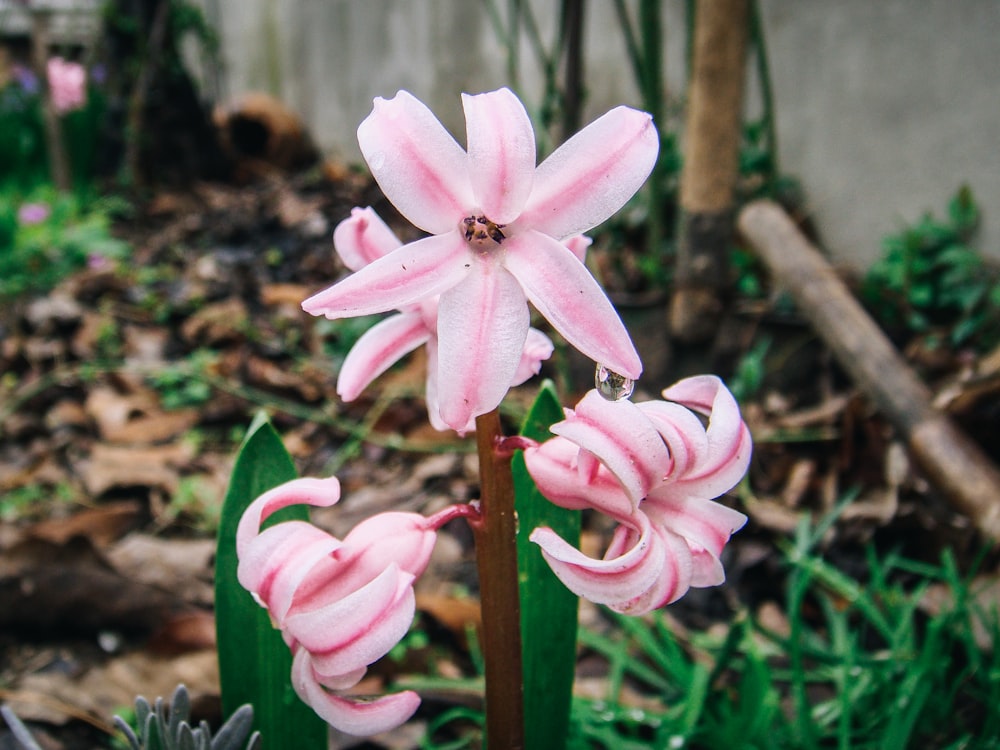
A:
[673,581]
[380,347]
[682,432]
[705,526]
[612,581]
[363,238]
[308,491]
[567,296]
[354,716]
[619,435]
[553,467]
[729,440]
[355,630]
[421,169]
[274,565]
[406,276]
[405,539]
[592,174]
[537,348]
[501,153]
[482,326]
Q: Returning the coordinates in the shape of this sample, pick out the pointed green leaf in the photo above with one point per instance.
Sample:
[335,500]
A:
[548,609]
[254,662]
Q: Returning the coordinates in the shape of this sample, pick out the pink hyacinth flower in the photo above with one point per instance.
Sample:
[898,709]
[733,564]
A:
[498,224]
[655,468]
[363,238]
[340,605]
[67,84]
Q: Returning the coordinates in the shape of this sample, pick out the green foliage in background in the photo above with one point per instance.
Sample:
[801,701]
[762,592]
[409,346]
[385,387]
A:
[931,281]
[34,257]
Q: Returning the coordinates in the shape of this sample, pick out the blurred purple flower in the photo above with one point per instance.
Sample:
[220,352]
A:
[32,213]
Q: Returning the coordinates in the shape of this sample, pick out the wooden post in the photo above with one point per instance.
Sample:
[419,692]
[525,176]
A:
[954,463]
[712,136]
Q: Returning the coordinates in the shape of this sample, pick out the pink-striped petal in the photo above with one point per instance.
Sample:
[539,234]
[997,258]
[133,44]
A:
[564,292]
[318,492]
[405,539]
[729,440]
[482,326]
[363,238]
[421,169]
[622,438]
[611,581]
[537,348]
[593,174]
[553,467]
[706,527]
[378,349]
[578,245]
[682,432]
[353,716]
[501,145]
[672,583]
[406,276]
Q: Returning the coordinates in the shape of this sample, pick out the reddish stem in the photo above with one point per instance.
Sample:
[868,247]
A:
[496,557]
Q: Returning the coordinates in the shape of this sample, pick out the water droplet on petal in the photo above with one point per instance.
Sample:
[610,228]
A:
[611,385]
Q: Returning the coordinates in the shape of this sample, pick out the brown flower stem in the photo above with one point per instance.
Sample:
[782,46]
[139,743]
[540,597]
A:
[496,557]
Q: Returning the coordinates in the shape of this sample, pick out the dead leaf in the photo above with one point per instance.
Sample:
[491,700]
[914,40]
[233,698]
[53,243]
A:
[111,466]
[217,324]
[100,525]
[136,417]
[183,566]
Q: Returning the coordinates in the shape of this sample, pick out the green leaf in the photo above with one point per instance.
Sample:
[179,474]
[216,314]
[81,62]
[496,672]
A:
[548,609]
[254,662]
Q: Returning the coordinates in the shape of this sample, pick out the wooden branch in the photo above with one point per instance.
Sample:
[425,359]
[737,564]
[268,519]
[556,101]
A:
[711,166]
[954,463]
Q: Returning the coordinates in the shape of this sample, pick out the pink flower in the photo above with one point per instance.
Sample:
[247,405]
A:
[364,238]
[497,224]
[654,468]
[67,84]
[340,605]
[29,214]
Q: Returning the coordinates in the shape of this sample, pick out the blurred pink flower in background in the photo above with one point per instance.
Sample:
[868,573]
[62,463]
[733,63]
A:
[655,468]
[498,226]
[67,84]
[33,213]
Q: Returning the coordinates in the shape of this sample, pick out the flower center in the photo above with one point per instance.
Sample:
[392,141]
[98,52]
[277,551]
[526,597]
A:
[480,232]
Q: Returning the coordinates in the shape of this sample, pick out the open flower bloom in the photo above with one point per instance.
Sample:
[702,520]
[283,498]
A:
[497,224]
[67,84]
[364,238]
[340,605]
[655,468]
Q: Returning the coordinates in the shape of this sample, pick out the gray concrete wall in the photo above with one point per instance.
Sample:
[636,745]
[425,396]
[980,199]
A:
[884,106]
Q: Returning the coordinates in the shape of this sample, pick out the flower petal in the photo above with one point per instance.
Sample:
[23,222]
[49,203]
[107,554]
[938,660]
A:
[622,438]
[564,292]
[355,717]
[412,273]
[380,347]
[673,582]
[593,174]
[363,238]
[353,631]
[705,525]
[553,467]
[307,491]
[537,348]
[421,169]
[618,579]
[482,326]
[501,145]
[682,432]
[729,440]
